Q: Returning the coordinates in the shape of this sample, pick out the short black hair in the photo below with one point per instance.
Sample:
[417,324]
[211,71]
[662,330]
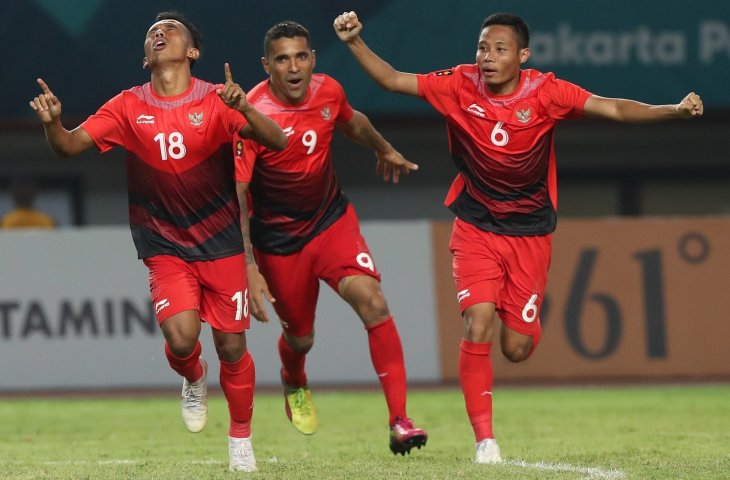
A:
[517,24]
[288,29]
[177,16]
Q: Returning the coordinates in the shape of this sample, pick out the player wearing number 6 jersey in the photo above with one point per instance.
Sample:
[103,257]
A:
[500,123]
[183,210]
[303,228]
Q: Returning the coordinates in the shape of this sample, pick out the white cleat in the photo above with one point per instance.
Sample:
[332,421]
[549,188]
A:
[488,451]
[194,402]
[240,453]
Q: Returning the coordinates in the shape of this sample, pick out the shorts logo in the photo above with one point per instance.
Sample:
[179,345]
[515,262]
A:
[288,131]
[196,119]
[146,119]
[239,148]
[159,306]
[475,109]
[460,296]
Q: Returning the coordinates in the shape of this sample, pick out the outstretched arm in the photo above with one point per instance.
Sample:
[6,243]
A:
[636,112]
[64,143]
[348,27]
[390,161]
[258,289]
[260,128]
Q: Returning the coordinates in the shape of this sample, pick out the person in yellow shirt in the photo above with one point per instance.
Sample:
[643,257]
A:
[24,214]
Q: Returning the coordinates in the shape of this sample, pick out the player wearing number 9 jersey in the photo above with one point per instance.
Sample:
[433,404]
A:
[500,122]
[303,228]
[183,210]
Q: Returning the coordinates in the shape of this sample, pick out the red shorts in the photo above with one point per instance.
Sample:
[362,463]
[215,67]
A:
[339,251]
[217,289]
[510,272]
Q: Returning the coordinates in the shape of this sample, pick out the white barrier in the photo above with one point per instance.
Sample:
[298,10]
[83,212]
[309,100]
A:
[75,314]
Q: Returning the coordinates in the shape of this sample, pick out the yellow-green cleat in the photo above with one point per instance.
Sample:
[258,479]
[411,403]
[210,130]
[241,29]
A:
[300,409]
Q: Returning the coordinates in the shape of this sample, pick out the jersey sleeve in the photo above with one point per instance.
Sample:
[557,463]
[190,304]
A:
[562,99]
[106,126]
[439,89]
[345,110]
[244,155]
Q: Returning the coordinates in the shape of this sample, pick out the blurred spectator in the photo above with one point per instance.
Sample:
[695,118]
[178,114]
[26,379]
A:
[24,213]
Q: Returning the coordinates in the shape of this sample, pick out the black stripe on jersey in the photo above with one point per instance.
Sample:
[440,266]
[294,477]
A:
[272,241]
[526,192]
[539,222]
[183,221]
[227,242]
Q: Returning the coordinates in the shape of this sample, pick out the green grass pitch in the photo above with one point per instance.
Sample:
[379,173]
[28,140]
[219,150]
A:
[655,432]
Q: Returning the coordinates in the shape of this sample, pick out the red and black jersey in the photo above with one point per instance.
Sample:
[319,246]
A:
[180,171]
[294,192]
[503,146]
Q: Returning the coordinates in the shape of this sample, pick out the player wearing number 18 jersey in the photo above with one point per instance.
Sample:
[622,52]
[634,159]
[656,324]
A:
[500,123]
[183,211]
[303,228]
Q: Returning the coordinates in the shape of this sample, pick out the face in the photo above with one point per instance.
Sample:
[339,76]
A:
[289,63]
[499,59]
[168,40]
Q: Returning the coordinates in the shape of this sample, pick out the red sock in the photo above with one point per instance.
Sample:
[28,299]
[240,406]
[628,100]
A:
[386,353]
[237,381]
[476,377]
[292,362]
[189,367]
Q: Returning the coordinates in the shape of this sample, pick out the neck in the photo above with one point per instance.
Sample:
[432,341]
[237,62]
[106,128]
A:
[507,88]
[171,80]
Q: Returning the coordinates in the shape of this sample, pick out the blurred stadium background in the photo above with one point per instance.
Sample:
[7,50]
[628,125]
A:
[645,209]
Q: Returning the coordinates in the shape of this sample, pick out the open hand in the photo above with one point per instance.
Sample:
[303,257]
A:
[258,289]
[392,163]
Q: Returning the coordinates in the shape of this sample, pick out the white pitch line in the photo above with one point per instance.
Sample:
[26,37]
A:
[592,473]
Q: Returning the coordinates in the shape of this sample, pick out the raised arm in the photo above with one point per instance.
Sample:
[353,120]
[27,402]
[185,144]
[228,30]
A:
[348,27]
[64,143]
[390,161]
[258,289]
[631,111]
[260,128]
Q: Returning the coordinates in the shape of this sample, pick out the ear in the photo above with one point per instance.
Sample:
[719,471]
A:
[265,64]
[314,58]
[145,65]
[524,55]
[193,54]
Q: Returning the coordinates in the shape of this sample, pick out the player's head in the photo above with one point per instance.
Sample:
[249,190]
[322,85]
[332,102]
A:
[502,48]
[289,60]
[172,38]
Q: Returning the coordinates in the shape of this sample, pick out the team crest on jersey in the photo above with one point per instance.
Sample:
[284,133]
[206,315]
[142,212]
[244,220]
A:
[523,112]
[196,119]
[326,113]
[444,73]
[239,148]
[523,116]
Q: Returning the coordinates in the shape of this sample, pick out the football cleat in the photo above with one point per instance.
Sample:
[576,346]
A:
[300,408]
[240,454]
[194,402]
[404,436]
[488,451]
